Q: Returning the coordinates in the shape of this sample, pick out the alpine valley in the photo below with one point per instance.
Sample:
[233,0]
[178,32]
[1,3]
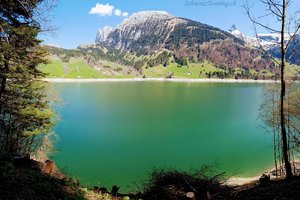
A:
[156,44]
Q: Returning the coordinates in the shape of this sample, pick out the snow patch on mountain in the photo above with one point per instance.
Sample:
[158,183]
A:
[266,40]
[249,40]
[270,40]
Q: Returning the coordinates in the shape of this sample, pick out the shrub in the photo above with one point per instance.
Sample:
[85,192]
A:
[174,184]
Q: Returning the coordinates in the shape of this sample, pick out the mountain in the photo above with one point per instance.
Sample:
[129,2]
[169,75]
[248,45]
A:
[293,52]
[103,34]
[146,31]
[158,44]
[270,40]
[161,38]
[266,40]
[271,43]
[140,31]
[248,40]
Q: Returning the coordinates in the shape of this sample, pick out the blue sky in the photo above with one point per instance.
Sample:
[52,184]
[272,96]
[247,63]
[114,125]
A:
[77,24]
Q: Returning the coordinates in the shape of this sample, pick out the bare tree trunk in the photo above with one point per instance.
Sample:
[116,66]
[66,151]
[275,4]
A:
[274,132]
[275,155]
[287,163]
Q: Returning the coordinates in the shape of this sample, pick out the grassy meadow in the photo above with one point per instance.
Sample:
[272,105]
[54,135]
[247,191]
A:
[75,68]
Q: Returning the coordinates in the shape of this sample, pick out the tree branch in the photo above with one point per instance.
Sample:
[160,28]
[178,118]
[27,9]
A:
[292,37]
[247,8]
[2,30]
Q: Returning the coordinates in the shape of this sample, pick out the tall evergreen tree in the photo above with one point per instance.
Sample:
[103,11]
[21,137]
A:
[25,113]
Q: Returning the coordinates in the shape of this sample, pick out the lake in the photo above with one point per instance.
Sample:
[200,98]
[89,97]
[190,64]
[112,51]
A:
[117,132]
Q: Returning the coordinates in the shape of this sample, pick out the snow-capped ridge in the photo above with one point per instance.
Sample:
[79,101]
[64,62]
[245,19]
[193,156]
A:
[237,33]
[266,40]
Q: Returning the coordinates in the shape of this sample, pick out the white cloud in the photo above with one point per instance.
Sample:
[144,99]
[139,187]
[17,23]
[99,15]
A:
[107,9]
[118,12]
[102,9]
[125,14]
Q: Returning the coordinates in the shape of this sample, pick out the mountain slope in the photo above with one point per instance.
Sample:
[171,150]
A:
[271,43]
[87,62]
[146,31]
[293,52]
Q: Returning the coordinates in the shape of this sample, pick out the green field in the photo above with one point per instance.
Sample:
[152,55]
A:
[54,69]
[75,68]
[78,68]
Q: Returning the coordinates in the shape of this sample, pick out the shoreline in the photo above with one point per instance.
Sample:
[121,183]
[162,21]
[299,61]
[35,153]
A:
[187,80]
[236,181]
[239,181]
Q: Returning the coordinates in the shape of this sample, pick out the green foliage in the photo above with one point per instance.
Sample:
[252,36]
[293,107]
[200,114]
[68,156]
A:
[162,58]
[104,52]
[25,113]
[199,34]
[93,53]
[181,61]
[194,70]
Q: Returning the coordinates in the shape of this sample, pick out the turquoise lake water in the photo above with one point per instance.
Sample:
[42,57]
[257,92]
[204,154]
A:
[117,132]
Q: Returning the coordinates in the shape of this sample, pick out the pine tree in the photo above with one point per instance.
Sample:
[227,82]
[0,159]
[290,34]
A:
[25,113]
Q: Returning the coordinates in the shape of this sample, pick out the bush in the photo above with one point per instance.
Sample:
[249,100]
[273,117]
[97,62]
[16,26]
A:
[174,184]
[181,61]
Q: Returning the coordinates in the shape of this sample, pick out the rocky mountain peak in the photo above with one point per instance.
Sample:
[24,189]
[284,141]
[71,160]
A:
[237,33]
[148,27]
[233,28]
[148,31]
[144,19]
[103,33]
[144,16]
